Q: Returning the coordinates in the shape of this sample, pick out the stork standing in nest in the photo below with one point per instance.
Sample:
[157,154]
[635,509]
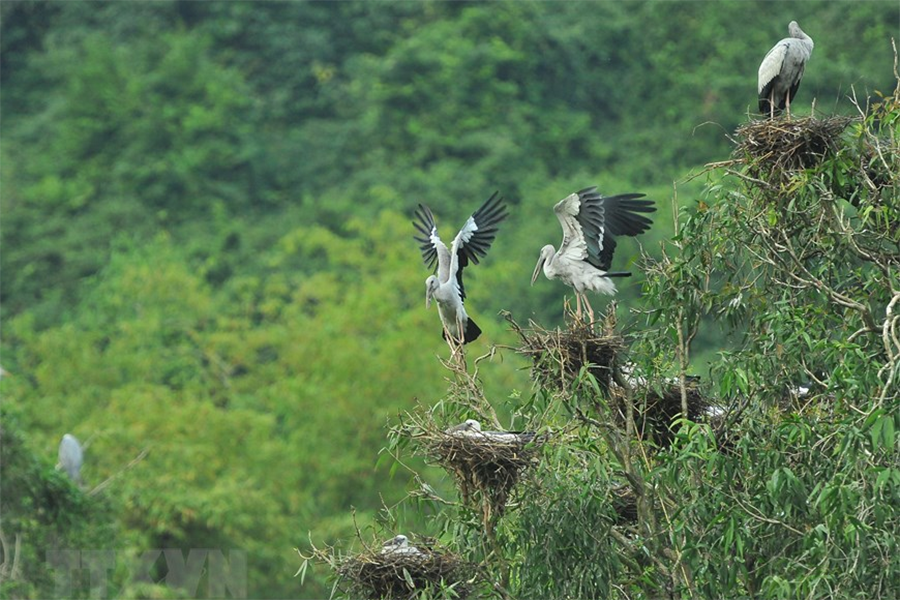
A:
[590,223]
[446,286]
[781,71]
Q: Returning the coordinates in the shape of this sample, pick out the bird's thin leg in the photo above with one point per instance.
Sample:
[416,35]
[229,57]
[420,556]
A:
[458,342]
[787,103]
[567,307]
[459,352]
[772,103]
[448,337]
[590,310]
[456,347]
[451,340]
[577,306]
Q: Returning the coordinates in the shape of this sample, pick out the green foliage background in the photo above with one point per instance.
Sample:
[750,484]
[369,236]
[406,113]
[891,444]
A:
[207,260]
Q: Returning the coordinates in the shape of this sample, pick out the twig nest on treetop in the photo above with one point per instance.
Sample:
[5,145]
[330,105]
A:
[774,149]
[558,357]
[404,572]
[655,410]
[485,464]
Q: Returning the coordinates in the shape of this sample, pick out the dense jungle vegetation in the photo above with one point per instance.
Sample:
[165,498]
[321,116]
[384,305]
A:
[208,276]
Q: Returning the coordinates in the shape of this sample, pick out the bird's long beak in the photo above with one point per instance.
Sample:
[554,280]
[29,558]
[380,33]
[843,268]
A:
[428,296]
[537,269]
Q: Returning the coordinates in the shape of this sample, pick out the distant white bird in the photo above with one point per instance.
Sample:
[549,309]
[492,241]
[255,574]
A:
[590,223]
[446,286]
[472,429]
[801,390]
[781,70]
[636,379]
[399,545]
[714,411]
[71,457]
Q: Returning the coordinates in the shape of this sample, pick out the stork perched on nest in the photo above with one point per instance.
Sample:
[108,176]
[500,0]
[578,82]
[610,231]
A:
[590,223]
[446,286]
[781,71]
[398,545]
[472,429]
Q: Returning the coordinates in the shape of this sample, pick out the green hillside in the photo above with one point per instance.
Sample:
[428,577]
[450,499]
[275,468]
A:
[207,269]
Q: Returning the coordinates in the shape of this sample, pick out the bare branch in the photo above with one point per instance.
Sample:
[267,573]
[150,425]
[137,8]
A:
[102,486]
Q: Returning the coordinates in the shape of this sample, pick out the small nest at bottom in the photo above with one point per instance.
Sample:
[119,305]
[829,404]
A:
[404,575]
[559,356]
[774,149]
[481,465]
[654,411]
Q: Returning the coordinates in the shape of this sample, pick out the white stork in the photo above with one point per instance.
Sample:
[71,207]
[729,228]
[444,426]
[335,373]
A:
[472,429]
[71,457]
[446,286]
[590,223]
[399,545]
[781,70]
[463,428]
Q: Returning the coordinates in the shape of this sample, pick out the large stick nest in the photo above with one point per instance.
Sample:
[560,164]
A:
[374,574]
[654,411]
[624,502]
[483,467]
[775,149]
[558,357]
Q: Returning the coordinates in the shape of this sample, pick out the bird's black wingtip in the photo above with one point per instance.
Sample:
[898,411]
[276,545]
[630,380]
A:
[470,335]
[494,208]
[472,331]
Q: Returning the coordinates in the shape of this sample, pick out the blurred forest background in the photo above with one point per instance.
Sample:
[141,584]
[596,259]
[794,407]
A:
[207,257]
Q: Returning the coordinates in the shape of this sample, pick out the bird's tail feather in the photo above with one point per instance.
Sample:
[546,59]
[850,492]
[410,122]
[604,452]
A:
[472,331]
[617,274]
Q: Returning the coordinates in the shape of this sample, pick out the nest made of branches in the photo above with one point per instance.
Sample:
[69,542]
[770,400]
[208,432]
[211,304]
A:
[654,411]
[558,356]
[375,574]
[484,468]
[774,149]
[624,502]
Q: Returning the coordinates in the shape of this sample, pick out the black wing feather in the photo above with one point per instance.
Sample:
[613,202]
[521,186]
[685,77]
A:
[765,106]
[463,262]
[425,226]
[487,218]
[602,218]
[793,91]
